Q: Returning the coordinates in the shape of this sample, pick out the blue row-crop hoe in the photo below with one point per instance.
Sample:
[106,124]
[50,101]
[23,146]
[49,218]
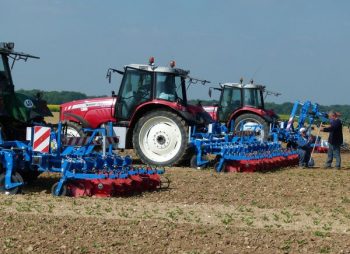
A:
[239,151]
[83,170]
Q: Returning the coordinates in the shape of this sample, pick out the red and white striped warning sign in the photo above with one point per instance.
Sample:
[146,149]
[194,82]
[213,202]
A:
[41,142]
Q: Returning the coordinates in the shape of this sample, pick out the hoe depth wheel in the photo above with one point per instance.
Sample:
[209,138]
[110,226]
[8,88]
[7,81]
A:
[193,162]
[247,120]
[161,138]
[15,178]
[63,191]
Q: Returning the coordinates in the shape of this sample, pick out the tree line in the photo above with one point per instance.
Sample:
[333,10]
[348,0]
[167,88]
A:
[59,97]
[56,97]
[286,108]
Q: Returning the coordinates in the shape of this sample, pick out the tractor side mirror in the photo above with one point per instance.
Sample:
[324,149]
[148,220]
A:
[113,94]
[109,76]
[209,92]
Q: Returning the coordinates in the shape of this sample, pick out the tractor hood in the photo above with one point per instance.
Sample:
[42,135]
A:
[212,111]
[271,113]
[86,104]
[90,112]
[201,116]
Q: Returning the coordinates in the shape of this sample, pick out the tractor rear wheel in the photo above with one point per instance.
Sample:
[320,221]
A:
[246,119]
[3,132]
[29,174]
[74,130]
[161,138]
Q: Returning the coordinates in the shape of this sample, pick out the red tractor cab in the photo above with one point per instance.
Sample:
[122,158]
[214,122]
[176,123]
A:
[243,104]
[150,112]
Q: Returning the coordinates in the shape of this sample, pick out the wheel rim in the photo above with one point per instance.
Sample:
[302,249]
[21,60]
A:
[71,132]
[249,121]
[160,139]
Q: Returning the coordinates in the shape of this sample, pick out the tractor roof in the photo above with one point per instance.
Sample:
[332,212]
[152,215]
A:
[162,69]
[239,85]
[6,48]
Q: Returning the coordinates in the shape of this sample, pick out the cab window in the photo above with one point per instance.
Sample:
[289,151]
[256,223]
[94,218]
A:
[169,87]
[252,97]
[136,89]
[5,78]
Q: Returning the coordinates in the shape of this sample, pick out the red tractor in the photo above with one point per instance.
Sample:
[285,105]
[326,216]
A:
[243,104]
[150,111]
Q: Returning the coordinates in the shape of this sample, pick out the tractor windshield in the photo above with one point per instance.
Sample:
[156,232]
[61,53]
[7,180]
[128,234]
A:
[170,87]
[253,97]
[5,76]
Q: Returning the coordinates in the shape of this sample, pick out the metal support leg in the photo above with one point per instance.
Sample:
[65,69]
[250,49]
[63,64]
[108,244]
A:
[8,159]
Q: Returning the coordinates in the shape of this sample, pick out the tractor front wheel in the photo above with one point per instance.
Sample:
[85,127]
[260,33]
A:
[74,130]
[161,138]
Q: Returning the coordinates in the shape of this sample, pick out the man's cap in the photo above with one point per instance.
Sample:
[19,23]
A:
[333,113]
[302,130]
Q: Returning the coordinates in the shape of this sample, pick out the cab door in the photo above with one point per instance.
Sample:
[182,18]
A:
[136,88]
[230,101]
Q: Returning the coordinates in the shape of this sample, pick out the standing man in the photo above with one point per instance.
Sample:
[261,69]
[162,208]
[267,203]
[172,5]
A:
[335,139]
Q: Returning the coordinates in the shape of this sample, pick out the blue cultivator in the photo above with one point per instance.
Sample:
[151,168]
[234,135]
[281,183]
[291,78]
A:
[239,152]
[305,115]
[84,172]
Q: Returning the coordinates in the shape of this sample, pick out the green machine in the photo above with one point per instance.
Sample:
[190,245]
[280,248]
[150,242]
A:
[17,111]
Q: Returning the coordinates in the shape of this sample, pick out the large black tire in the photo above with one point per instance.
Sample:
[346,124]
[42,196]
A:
[74,130]
[256,119]
[161,138]
[2,132]
[16,178]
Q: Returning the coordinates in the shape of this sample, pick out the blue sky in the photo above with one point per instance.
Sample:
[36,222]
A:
[299,48]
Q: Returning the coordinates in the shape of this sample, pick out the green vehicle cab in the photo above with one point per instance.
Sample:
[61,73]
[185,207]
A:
[17,111]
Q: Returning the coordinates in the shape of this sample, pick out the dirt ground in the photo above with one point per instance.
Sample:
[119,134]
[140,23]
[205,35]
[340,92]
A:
[292,210]
[287,211]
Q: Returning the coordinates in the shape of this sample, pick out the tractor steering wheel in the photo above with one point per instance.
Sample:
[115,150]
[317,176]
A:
[142,93]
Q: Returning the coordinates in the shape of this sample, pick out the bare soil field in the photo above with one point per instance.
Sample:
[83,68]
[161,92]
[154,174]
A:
[291,210]
[287,211]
